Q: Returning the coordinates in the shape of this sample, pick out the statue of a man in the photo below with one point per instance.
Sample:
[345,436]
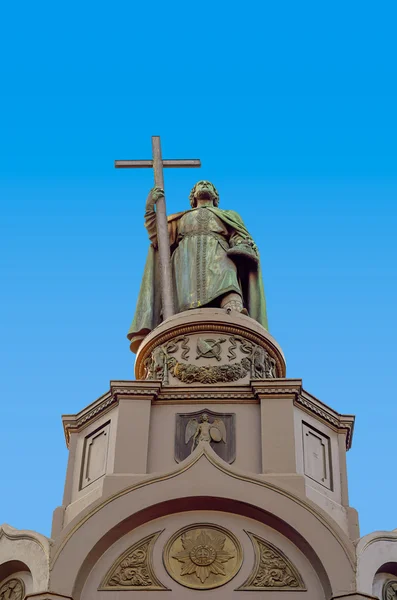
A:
[215,263]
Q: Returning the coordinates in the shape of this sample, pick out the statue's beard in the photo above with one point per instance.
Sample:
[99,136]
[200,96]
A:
[204,194]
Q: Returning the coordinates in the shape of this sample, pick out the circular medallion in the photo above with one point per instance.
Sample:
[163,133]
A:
[390,590]
[203,556]
[13,589]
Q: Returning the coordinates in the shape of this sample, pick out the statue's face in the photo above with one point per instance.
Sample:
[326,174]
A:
[204,417]
[204,190]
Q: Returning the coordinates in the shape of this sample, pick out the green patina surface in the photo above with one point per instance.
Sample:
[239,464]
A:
[203,271]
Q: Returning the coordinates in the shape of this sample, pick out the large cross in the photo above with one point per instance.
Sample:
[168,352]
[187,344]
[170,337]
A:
[157,163]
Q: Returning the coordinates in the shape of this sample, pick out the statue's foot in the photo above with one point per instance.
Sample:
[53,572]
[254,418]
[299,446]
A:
[233,301]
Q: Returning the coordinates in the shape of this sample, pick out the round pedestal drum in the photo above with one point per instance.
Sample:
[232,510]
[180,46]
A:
[209,346]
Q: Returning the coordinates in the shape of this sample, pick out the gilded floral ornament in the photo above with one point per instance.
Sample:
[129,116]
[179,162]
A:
[133,570]
[203,556]
[272,569]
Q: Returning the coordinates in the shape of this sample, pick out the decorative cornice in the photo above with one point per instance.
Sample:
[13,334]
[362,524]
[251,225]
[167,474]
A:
[47,596]
[318,408]
[276,387]
[118,389]
[373,538]
[301,398]
[21,534]
[218,394]
[355,596]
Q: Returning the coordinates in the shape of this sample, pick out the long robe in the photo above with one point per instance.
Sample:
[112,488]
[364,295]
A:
[202,271]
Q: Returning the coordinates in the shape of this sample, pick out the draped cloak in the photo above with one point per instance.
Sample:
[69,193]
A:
[192,258]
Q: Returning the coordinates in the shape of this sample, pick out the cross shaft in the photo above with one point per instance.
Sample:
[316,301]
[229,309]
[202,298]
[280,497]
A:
[157,163]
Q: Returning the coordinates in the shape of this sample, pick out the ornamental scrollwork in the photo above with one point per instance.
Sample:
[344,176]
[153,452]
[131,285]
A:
[256,362]
[133,570]
[272,569]
[262,365]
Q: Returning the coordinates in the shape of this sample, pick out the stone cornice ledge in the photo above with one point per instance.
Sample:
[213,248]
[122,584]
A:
[343,423]
[47,596]
[265,388]
[259,389]
[354,596]
[276,387]
[118,390]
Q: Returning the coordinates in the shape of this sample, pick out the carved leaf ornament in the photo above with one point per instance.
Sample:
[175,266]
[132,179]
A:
[133,570]
[272,570]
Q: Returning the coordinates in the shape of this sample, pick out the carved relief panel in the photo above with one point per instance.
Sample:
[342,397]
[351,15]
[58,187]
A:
[203,556]
[272,569]
[204,550]
[209,359]
[218,429]
[133,570]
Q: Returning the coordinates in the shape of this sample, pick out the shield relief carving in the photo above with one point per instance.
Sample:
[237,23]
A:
[217,429]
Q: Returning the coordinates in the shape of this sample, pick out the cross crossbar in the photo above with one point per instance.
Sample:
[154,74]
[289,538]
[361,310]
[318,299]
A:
[148,164]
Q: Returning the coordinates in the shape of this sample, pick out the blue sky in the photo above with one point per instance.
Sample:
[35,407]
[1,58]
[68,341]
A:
[292,109]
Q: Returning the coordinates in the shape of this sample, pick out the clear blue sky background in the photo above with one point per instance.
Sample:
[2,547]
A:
[291,107]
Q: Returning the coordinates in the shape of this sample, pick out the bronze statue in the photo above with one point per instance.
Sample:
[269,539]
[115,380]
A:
[214,260]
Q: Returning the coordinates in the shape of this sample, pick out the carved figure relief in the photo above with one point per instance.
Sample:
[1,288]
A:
[133,570]
[218,429]
[205,431]
[13,589]
[261,364]
[203,556]
[272,569]
[157,364]
[390,590]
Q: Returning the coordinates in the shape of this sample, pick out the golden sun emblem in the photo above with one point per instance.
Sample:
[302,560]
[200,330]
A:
[203,557]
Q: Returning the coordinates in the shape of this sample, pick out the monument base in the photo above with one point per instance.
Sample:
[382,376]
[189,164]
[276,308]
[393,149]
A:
[209,346]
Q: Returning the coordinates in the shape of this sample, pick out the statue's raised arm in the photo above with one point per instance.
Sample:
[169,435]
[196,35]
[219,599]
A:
[214,261]
[150,214]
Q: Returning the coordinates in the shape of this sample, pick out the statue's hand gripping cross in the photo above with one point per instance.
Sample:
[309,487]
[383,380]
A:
[157,163]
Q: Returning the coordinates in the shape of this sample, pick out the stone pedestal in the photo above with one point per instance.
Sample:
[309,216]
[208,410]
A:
[209,346]
[211,455]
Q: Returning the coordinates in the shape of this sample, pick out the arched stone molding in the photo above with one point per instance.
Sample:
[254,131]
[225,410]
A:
[218,487]
[374,552]
[22,550]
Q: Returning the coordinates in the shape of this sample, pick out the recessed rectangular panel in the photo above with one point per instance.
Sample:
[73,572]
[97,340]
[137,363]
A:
[317,456]
[95,455]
